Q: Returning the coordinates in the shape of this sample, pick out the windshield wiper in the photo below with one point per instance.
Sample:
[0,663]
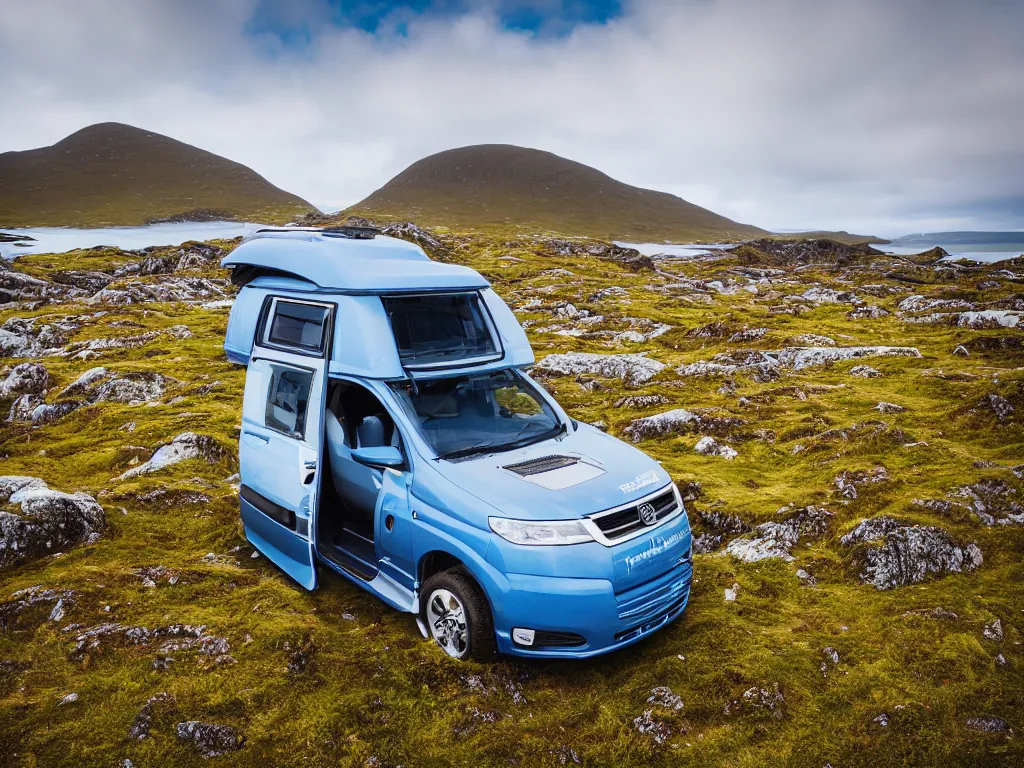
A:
[504,447]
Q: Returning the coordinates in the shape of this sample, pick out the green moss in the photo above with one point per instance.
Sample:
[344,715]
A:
[372,687]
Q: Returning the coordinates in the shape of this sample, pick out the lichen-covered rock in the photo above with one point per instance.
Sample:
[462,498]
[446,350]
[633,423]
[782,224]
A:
[993,631]
[25,378]
[132,388]
[748,335]
[908,554]
[768,699]
[865,372]
[35,336]
[708,446]
[678,421]
[775,540]
[17,286]
[765,364]
[648,725]
[707,543]
[989,724]
[187,445]
[210,739]
[169,289]
[868,312]
[798,358]
[999,405]
[49,521]
[640,401]
[88,282]
[848,481]
[47,413]
[144,719]
[23,407]
[662,696]
[631,368]
[989,318]
[992,500]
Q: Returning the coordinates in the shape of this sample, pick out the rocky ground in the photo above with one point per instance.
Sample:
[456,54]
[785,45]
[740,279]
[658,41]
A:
[848,430]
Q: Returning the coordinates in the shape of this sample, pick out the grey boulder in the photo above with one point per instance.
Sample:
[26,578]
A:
[49,520]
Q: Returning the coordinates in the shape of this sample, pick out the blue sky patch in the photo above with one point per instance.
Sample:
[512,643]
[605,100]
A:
[294,24]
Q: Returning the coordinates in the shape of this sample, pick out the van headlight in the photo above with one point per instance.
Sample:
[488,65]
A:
[540,533]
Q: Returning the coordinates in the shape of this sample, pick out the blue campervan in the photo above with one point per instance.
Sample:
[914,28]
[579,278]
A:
[391,433]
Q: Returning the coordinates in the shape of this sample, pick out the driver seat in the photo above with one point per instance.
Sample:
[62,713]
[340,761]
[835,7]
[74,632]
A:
[358,485]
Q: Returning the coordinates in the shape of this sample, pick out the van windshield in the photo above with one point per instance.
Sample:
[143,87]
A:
[465,415]
[440,328]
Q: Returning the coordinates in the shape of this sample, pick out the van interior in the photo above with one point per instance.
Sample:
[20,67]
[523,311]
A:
[355,418]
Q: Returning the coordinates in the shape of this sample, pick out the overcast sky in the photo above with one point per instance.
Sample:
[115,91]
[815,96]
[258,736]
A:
[873,116]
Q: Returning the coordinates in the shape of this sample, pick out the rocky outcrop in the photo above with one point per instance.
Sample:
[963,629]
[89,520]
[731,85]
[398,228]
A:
[24,378]
[790,253]
[99,385]
[144,719]
[17,286]
[898,553]
[631,368]
[32,337]
[774,540]
[209,739]
[49,521]
[993,501]
[849,481]
[679,422]
[170,289]
[766,365]
[187,445]
[708,446]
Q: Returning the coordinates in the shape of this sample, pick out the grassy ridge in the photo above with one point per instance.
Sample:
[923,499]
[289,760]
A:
[498,185]
[371,692]
[111,174]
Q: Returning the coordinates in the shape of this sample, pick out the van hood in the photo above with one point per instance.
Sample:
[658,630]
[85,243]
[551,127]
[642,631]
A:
[564,478]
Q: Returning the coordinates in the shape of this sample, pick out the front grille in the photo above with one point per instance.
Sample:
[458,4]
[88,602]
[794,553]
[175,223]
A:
[622,522]
[654,623]
[542,638]
[543,464]
[644,601]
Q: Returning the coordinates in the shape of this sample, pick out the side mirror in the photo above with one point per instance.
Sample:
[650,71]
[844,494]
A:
[379,457]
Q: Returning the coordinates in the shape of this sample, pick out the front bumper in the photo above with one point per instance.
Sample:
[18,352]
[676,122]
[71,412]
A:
[590,608]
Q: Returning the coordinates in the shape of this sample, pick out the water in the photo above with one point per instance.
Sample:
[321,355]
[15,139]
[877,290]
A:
[61,239]
[976,246]
[680,251]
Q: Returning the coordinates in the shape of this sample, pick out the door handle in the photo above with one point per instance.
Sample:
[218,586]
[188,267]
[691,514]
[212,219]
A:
[309,464]
[256,435]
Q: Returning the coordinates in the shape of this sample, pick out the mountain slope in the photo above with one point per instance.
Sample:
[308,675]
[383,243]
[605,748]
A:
[500,184]
[110,174]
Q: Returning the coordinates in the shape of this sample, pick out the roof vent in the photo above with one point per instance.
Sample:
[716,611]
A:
[543,464]
[354,233]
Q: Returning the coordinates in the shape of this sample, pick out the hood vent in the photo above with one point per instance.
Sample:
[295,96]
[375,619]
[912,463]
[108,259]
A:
[556,472]
[543,464]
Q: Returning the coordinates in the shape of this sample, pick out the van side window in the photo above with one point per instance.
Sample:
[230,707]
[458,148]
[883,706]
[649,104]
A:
[286,400]
[299,326]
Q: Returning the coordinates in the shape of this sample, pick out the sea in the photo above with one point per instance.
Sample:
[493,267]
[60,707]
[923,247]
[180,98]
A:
[62,239]
[976,246]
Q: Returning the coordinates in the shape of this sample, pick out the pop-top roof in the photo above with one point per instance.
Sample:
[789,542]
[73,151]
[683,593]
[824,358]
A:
[351,264]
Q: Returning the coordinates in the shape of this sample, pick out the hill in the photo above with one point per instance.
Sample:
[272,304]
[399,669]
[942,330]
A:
[500,185]
[110,174]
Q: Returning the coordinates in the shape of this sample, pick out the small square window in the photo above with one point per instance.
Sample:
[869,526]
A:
[299,326]
[287,399]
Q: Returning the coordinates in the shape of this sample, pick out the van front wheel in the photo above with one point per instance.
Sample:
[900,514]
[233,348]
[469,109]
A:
[457,616]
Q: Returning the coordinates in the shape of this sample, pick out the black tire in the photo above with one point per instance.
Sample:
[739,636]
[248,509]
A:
[479,632]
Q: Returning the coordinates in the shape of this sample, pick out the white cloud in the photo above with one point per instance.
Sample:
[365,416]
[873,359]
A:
[869,116]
